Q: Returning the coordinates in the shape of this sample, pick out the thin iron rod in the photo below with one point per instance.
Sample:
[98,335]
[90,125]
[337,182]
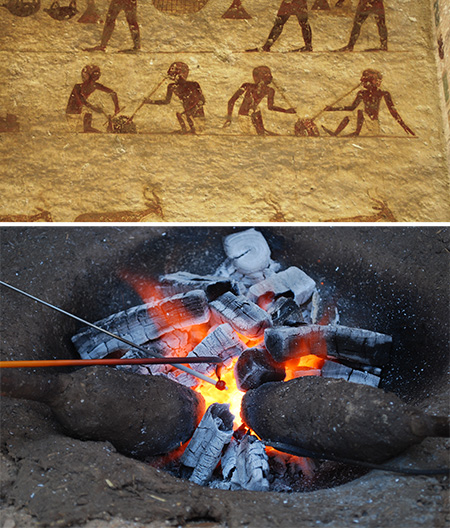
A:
[190,371]
[109,361]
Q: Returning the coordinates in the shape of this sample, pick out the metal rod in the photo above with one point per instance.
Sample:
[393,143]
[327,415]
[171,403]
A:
[190,371]
[118,361]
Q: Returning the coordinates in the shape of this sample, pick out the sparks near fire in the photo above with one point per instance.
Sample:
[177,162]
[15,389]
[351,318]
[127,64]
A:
[264,322]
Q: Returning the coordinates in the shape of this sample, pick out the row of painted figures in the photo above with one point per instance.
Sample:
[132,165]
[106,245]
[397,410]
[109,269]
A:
[367,102]
[288,8]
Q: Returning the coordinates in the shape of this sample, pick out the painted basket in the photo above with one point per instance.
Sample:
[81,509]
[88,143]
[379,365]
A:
[179,7]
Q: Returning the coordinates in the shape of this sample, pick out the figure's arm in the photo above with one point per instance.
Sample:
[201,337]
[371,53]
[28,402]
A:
[112,93]
[165,101]
[395,114]
[231,104]
[273,107]
[348,108]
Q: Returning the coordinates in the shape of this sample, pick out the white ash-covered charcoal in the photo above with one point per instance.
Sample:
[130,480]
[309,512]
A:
[331,369]
[143,323]
[292,280]
[311,310]
[364,378]
[245,464]
[355,344]
[172,344]
[372,370]
[244,316]
[205,448]
[248,250]
[339,418]
[222,342]
[284,311]
[183,281]
[362,346]
[284,342]
[256,366]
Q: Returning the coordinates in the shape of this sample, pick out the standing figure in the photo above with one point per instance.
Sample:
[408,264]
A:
[250,117]
[370,96]
[115,7]
[79,108]
[364,9]
[298,8]
[190,95]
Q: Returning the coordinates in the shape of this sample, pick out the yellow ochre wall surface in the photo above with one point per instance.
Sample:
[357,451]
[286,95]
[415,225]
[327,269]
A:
[302,166]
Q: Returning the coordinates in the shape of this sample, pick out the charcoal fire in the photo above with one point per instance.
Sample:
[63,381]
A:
[205,448]
[262,321]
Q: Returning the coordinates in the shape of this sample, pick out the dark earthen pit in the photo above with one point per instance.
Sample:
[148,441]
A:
[388,279]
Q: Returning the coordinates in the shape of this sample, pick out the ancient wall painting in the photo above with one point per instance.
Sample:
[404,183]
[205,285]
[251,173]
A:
[306,106]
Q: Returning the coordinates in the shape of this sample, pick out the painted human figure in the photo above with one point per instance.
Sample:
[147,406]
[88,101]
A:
[363,10]
[79,108]
[368,117]
[115,7]
[288,8]
[250,117]
[191,96]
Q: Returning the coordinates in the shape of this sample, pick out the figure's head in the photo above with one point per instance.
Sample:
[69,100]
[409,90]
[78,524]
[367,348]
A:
[262,74]
[178,69]
[90,72]
[371,78]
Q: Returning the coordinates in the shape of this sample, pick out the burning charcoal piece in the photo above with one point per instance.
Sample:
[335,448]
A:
[140,415]
[362,346]
[334,370]
[292,280]
[248,250]
[184,281]
[337,418]
[356,344]
[205,448]
[222,342]
[256,366]
[143,323]
[285,311]
[364,378]
[245,464]
[245,317]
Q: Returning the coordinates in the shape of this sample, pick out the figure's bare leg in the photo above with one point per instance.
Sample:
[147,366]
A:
[276,31]
[340,127]
[306,32]
[110,23]
[191,124]
[359,124]
[382,31]
[182,123]
[356,30]
[87,124]
[131,16]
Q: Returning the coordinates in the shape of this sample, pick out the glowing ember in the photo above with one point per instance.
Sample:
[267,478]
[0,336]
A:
[232,395]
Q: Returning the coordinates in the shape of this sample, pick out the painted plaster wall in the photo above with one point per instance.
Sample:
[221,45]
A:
[221,174]
[441,10]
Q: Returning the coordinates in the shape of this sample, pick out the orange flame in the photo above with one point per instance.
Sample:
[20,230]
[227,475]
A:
[232,396]
[308,361]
